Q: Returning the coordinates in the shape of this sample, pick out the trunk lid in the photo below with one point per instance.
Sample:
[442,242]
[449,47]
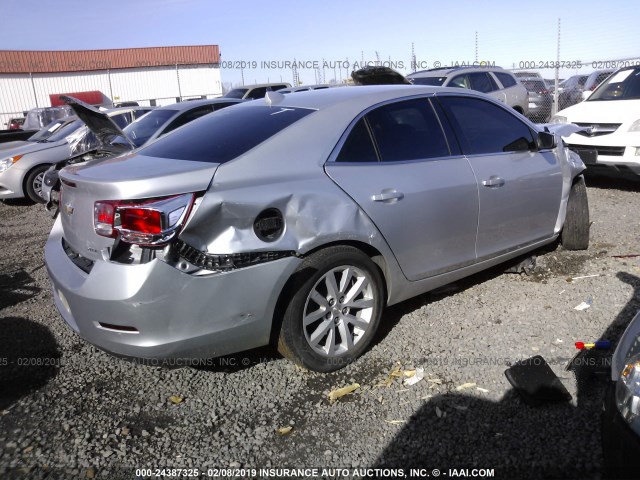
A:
[98,122]
[128,177]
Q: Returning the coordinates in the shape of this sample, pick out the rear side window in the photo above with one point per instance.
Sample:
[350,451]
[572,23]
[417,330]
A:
[407,130]
[482,82]
[226,134]
[505,79]
[358,147]
[484,128]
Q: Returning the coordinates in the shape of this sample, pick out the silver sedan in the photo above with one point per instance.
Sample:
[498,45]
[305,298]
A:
[296,219]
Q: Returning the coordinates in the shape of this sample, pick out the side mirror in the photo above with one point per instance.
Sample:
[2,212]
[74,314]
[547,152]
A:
[546,141]
[586,94]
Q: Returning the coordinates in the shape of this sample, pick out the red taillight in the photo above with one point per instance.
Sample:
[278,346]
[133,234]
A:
[142,220]
[103,218]
[145,222]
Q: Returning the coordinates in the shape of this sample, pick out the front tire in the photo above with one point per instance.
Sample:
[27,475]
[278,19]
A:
[33,183]
[575,232]
[334,309]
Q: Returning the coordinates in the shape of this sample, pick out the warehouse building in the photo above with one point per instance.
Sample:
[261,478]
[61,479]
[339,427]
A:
[148,76]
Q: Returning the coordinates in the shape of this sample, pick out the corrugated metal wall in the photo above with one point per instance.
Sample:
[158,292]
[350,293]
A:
[21,92]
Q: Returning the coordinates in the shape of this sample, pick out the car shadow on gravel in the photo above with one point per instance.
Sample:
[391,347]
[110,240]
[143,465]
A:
[29,358]
[392,315]
[16,287]
[612,182]
[554,440]
[239,361]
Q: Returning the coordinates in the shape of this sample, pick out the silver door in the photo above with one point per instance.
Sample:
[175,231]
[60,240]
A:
[423,200]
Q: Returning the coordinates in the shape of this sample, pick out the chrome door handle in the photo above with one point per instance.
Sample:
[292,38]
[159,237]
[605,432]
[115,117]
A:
[387,196]
[493,181]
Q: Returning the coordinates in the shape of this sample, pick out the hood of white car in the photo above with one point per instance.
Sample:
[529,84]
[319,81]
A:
[603,111]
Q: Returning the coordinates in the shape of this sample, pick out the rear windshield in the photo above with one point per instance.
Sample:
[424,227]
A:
[225,134]
[432,81]
[534,85]
[237,93]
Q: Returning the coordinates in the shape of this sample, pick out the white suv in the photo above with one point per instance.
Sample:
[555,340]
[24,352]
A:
[494,81]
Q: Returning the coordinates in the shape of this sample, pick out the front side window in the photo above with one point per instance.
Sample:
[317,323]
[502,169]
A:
[407,130]
[483,127]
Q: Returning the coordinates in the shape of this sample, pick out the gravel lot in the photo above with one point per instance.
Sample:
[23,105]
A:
[68,410]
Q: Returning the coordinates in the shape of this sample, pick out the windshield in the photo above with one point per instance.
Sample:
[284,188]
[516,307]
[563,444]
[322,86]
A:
[143,129]
[623,85]
[225,134]
[433,81]
[63,132]
[47,131]
[237,93]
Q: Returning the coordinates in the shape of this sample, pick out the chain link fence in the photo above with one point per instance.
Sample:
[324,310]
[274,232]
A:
[554,86]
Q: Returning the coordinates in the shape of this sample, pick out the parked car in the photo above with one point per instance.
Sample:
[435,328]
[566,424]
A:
[621,412]
[113,141]
[40,136]
[593,80]
[298,218]
[540,100]
[378,75]
[15,123]
[22,168]
[304,88]
[493,81]
[526,74]
[570,91]
[252,92]
[612,116]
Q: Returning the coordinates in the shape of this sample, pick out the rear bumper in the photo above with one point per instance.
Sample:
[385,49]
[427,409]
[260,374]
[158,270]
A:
[620,444]
[155,312]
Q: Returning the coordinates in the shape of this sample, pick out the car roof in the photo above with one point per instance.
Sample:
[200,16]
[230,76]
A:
[181,106]
[444,71]
[115,111]
[358,96]
[259,85]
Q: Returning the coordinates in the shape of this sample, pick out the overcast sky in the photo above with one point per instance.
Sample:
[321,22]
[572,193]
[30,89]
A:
[509,32]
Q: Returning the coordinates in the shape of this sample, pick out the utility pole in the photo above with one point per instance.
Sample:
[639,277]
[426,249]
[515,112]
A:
[554,108]
[476,47]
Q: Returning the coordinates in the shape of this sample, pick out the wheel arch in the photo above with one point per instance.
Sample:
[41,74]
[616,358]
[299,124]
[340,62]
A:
[28,172]
[289,287]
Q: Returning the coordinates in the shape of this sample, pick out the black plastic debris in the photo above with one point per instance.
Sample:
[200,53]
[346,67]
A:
[536,383]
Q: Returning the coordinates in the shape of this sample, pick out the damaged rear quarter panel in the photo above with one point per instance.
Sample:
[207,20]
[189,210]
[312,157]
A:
[285,173]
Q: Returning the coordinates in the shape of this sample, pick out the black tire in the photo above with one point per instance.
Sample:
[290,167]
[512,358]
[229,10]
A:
[313,275]
[33,183]
[575,232]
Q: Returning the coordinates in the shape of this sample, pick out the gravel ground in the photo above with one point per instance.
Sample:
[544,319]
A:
[68,410]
